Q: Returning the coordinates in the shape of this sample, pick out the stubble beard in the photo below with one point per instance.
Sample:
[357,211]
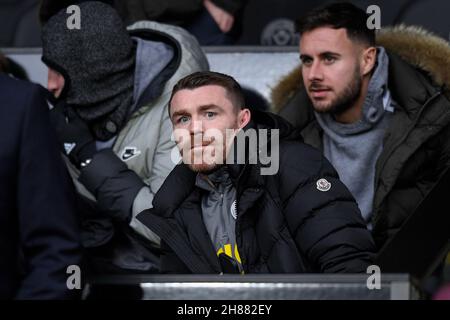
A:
[343,101]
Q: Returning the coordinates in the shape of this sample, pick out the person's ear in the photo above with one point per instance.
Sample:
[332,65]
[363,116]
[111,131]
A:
[369,57]
[244,117]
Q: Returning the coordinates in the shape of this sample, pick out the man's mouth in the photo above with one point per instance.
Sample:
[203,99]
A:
[317,93]
[201,145]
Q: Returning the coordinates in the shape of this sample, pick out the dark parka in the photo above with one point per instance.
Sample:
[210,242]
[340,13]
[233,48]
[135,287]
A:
[285,224]
[416,146]
[39,229]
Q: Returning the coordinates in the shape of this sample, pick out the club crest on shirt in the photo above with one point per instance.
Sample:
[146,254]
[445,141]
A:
[233,210]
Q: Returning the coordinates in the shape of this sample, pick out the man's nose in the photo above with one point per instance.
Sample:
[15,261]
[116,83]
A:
[315,71]
[196,126]
[52,86]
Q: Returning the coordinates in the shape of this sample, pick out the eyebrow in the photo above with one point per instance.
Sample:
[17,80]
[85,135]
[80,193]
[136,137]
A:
[322,54]
[302,56]
[205,107]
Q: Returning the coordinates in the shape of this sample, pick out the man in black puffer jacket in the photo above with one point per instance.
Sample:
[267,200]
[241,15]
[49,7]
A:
[244,216]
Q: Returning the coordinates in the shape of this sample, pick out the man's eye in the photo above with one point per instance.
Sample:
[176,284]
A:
[183,119]
[210,114]
[330,59]
[306,61]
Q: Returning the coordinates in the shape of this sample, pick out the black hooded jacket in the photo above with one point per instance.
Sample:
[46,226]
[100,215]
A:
[286,222]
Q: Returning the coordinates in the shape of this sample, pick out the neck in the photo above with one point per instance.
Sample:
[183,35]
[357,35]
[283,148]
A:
[354,113]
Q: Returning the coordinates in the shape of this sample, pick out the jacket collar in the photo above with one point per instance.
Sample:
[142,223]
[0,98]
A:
[178,186]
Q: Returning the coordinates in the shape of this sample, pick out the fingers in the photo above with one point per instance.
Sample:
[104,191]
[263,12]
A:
[223,19]
[226,23]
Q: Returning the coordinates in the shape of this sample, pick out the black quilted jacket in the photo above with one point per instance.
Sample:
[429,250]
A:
[285,223]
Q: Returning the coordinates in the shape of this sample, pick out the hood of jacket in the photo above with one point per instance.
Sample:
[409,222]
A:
[416,46]
[97,60]
[268,120]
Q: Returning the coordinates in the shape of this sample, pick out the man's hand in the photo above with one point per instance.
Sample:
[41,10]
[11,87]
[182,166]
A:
[223,19]
[73,134]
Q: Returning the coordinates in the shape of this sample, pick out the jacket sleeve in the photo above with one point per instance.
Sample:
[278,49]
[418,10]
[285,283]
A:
[119,191]
[162,166]
[170,263]
[444,158]
[49,228]
[326,223]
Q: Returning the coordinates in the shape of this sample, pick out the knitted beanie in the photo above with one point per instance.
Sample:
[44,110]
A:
[97,62]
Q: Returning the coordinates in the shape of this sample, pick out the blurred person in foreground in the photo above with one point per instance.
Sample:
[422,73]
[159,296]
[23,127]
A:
[39,228]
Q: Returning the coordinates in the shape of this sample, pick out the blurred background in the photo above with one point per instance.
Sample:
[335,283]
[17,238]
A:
[262,22]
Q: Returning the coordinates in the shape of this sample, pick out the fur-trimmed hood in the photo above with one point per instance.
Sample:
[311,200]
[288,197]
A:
[415,45]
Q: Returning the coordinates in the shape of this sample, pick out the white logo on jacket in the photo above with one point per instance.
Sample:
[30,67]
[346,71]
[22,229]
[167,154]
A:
[68,147]
[323,185]
[129,153]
